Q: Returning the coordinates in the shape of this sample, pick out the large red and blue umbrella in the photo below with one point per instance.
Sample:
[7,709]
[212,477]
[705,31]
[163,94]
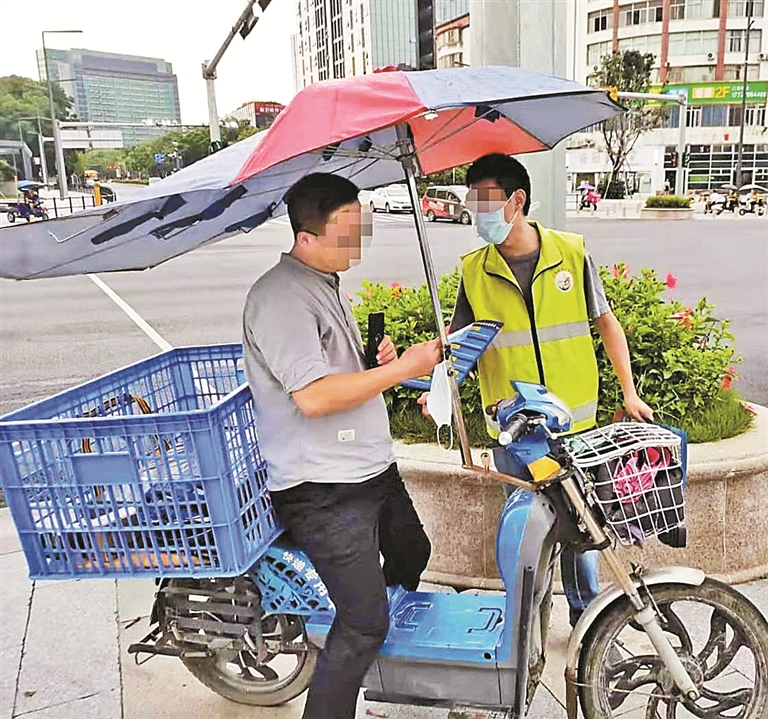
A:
[365,128]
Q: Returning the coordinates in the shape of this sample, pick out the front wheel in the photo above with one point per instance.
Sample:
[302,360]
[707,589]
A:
[430,216]
[466,218]
[11,217]
[720,636]
[742,211]
[387,209]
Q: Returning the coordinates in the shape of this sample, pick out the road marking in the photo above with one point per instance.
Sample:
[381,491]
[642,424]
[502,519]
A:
[141,323]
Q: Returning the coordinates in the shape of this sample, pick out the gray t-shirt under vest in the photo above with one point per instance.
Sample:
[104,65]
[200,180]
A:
[298,328]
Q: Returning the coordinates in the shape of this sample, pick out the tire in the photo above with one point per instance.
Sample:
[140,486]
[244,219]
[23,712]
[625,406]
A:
[11,217]
[44,216]
[721,614]
[373,208]
[267,691]
[387,208]
[466,218]
[430,216]
[742,211]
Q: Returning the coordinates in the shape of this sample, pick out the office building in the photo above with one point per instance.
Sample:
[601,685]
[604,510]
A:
[699,48]
[111,88]
[340,38]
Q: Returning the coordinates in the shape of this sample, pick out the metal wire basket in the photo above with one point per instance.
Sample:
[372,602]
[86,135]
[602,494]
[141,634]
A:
[634,472]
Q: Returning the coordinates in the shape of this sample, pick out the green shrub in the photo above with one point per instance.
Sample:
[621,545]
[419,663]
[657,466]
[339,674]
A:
[682,358]
[668,201]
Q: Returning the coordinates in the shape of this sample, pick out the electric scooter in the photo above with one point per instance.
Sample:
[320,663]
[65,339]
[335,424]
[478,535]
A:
[255,639]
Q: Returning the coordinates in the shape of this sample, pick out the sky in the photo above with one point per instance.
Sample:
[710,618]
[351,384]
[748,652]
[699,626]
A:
[183,32]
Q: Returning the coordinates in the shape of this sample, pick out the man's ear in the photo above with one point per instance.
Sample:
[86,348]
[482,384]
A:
[304,239]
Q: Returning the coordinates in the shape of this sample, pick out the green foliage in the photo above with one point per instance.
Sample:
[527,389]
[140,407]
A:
[682,358]
[455,176]
[7,173]
[628,71]
[409,319]
[668,201]
[22,97]
[105,162]
[191,145]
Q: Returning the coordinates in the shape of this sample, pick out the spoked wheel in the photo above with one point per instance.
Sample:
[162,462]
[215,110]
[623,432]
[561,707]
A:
[721,638]
[278,676]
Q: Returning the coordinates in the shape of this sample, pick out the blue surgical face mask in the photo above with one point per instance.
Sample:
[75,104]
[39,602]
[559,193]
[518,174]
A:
[492,226]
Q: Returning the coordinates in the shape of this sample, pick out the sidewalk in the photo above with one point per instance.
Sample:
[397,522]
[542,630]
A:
[63,655]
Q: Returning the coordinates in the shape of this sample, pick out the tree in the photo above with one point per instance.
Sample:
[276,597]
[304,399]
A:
[22,97]
[628,71]
[105,161]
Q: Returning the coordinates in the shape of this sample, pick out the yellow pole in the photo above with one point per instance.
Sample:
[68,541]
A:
[97,193]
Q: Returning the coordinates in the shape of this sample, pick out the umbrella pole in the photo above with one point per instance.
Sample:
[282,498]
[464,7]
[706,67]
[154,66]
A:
[432,284]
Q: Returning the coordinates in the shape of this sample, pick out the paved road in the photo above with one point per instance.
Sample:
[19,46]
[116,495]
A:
[55,333]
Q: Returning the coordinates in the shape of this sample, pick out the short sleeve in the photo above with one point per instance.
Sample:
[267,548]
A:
[462,312]
[597,302]
[286,333]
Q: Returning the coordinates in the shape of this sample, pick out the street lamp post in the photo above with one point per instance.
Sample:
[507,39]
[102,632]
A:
[740,156]
[58,148]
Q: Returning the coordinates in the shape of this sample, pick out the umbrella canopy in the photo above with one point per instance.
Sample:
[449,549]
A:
[363,128]
[728,187]
[585,186]
[28,185]
[759,188]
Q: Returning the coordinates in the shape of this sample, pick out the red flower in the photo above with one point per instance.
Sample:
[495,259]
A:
[683,317]
[395,284]
[729,377]
[620,271]
[671,281]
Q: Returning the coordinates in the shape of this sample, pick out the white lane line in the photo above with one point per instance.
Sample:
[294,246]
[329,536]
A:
[141,323]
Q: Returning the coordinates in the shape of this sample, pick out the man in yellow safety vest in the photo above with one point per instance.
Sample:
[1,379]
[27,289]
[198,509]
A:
[543,285]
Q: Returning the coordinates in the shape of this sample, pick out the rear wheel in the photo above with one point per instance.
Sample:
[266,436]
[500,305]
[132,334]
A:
[720,636]
[11,217]
[267,673]
[466,218]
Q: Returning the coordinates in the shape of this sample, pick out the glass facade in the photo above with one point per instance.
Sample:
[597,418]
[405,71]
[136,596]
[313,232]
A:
[106,87]
[712,166]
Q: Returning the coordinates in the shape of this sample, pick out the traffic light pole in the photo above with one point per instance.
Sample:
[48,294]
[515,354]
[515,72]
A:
[244,25]
[682,102]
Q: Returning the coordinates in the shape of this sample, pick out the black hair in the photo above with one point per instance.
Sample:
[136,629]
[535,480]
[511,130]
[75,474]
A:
[506,172]
[313,199]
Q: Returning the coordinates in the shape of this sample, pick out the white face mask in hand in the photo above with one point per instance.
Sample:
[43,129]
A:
[439,403]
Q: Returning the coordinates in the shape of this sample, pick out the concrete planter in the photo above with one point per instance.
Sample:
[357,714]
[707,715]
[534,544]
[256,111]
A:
[666,213]
[727,512]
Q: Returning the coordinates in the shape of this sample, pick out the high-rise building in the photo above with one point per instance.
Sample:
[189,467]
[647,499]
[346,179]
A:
[257,114]
[699,48]
[106,87]
[339,38]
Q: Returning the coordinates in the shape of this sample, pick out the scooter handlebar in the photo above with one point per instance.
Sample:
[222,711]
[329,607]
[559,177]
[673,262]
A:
[517,428]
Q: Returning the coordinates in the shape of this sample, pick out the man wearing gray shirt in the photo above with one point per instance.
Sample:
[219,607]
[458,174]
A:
[324,432]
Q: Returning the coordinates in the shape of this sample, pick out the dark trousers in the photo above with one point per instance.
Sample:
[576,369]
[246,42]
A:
[343,528]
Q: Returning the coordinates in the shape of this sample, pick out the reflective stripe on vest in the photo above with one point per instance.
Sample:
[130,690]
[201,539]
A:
[561,324]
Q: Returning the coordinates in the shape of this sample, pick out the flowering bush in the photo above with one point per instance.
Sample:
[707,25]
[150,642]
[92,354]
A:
[682,357]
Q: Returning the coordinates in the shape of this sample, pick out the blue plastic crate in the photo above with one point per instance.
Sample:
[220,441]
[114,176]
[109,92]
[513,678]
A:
[152,470]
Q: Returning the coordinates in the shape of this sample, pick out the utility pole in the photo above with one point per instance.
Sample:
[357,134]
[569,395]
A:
[57,146]
[682,102]
[740,156]
[245,23]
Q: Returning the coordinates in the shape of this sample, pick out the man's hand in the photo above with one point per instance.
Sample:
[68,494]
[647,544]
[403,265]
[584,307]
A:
[637,409]
[387,352]
[421,358]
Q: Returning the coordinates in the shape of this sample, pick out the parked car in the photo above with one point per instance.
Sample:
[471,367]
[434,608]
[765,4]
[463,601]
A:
[446,202]
[392,198]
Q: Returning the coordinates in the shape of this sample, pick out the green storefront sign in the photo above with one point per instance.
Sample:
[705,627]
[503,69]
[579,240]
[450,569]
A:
[718,93]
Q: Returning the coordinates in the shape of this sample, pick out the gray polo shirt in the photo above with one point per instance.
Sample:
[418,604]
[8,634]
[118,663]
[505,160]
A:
[297,328]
